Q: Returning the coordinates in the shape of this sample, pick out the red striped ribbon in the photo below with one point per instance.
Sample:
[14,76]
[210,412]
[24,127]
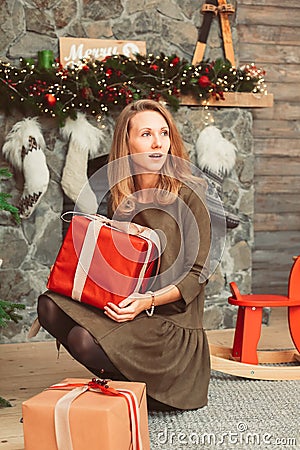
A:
[62,427]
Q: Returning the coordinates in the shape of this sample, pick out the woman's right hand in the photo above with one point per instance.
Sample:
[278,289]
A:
[128,308]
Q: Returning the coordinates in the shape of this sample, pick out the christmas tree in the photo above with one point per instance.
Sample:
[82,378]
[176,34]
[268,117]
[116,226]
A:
[8,310]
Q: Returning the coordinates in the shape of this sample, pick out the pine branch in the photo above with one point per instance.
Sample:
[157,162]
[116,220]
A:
[4,403]
[5,205]
[9,311]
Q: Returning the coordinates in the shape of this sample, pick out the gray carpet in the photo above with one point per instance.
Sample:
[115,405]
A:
[241,414]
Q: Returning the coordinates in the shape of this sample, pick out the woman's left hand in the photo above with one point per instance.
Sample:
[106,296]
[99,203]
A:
[128,308]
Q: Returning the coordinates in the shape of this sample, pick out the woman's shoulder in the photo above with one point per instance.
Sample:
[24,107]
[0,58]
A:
[193,190]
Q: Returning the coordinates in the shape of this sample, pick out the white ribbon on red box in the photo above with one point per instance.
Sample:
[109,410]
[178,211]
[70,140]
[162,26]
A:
[90,242]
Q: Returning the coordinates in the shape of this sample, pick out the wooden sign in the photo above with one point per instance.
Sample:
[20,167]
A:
[73,50]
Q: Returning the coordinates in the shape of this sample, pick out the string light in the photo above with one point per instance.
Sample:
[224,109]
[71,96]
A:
[95,86]
[207,117]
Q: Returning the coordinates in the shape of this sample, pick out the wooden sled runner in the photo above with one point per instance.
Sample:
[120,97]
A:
[243,359]
[222,361]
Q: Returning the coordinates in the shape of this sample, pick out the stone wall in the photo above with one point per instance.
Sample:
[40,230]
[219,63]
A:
[29,250]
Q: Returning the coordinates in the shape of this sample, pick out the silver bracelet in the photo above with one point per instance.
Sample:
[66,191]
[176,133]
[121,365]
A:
[150,311]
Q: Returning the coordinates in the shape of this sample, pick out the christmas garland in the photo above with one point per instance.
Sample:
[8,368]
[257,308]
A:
[98,87]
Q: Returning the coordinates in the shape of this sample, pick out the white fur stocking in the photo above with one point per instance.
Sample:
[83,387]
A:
[24,149]
[214,152]
[84,139]
[216,157]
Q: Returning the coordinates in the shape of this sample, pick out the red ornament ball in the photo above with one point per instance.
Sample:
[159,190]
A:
[175,61]
[204,81]
[51,99]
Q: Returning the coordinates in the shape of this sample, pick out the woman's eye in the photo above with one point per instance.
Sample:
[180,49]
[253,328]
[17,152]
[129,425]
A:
[165,133]
[146,133]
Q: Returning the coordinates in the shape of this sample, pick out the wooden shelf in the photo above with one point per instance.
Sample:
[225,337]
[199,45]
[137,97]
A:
[233,100]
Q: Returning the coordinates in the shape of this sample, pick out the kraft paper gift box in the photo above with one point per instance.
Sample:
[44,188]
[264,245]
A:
[97,421]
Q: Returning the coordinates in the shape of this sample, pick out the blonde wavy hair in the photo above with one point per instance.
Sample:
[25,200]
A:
[120,174]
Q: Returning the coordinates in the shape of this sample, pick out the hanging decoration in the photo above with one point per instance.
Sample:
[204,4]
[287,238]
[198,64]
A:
[99,87]
[24,148]
[214,152]
[210,9]
[45,59]
[84,142]
[216,156]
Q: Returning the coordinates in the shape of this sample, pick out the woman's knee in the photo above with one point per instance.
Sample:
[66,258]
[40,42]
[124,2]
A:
[45,308]
[79,341]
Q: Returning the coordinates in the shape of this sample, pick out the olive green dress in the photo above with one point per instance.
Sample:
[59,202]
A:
[168,351]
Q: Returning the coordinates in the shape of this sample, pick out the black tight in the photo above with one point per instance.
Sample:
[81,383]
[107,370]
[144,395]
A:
[76,339]
[81,344]
[86,350]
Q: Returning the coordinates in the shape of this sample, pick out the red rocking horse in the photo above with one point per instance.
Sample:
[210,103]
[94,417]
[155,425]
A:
[244,359]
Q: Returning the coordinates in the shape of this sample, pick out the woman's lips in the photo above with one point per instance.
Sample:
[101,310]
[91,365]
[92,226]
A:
[155,155]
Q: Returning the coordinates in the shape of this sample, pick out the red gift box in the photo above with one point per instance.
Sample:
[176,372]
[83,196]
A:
[78,414]
[99,263]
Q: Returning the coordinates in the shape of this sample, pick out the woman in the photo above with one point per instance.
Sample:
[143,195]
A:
[151,184]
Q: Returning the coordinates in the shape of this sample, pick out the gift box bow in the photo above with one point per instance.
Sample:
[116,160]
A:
[62,409]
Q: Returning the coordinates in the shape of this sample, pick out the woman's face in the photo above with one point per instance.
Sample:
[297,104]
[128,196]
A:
[149,141]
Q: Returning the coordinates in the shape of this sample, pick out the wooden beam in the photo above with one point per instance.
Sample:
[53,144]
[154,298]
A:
[233,100]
